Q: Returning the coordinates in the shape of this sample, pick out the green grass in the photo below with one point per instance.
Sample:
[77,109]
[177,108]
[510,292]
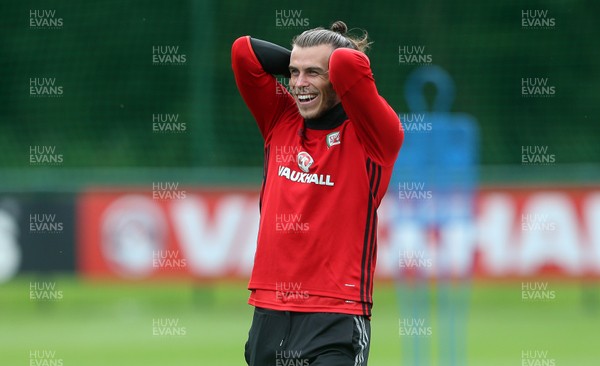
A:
[106,323]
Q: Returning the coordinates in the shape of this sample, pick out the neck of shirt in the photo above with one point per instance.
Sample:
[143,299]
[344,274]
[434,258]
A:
[328,120]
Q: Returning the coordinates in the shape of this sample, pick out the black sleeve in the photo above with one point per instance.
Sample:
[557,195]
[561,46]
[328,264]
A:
[274,59]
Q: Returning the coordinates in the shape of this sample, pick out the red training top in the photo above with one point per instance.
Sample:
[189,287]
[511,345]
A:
[323,181]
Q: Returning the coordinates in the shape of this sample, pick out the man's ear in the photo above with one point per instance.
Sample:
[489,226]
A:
[329,57]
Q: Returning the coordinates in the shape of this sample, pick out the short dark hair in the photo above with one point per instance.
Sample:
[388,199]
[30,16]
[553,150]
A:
[337,36]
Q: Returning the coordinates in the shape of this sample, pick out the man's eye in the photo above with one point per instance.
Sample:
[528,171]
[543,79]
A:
[294,72]
[313,73]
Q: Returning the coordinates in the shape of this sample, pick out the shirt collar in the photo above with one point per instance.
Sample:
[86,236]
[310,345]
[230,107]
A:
[328,120]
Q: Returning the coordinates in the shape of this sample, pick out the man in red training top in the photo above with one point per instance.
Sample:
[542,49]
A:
[330,145]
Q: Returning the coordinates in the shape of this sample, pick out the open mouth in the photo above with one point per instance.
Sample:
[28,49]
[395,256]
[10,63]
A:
[306,98]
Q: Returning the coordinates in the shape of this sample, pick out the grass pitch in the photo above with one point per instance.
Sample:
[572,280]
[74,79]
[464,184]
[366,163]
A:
[178,323]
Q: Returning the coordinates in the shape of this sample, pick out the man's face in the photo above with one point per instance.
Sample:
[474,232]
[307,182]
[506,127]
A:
[309,82]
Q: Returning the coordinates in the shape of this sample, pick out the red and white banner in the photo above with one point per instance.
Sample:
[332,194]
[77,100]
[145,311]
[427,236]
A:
[515,232]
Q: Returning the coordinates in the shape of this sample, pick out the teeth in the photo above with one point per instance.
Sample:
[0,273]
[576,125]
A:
[306,97]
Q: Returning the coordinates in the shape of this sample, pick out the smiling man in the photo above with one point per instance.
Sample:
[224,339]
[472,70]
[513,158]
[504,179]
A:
[310,80]
[330,145]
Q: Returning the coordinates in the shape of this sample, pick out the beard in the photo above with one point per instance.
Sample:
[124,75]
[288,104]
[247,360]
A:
[328,100]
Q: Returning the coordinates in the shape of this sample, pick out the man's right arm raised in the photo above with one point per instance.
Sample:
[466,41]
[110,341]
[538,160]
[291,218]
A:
[254,63]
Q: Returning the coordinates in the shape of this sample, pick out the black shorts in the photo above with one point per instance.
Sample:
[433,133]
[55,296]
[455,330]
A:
[282,338]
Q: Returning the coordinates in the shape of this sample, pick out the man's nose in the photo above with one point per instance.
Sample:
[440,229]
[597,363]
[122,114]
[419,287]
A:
[301,80]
